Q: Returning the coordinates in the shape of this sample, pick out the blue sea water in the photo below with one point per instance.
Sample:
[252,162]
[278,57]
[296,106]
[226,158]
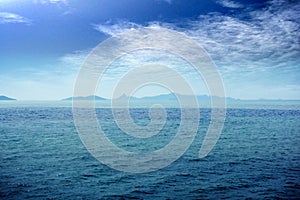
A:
[42,156]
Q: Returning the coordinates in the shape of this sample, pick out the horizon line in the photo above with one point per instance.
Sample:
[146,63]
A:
[105,98]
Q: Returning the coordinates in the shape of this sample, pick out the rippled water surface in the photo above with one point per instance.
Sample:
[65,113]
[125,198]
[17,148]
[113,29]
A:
[42,157]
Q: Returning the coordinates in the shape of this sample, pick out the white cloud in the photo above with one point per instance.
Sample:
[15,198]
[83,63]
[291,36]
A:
[63,5]
[267,40]
[229,4]
[74,60]
[110,28]
[268,36]
[52,1]
[259,46]
[57,1]
[7,17]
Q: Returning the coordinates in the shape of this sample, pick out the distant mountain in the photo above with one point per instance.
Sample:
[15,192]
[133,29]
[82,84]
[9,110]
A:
[173,97]
[5,98]
[92,97]
[162,97]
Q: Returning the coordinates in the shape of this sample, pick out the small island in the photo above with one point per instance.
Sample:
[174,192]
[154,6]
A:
[92,97]
[5,98]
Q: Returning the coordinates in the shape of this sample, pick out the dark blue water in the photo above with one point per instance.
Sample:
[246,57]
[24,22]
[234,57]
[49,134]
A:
[257,156]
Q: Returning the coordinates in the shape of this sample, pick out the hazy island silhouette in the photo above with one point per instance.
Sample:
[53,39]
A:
[5,98]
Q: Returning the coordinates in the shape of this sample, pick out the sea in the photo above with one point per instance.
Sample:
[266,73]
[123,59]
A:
[256,157]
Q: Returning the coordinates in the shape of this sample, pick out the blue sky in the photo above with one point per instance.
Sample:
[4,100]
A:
[255,44]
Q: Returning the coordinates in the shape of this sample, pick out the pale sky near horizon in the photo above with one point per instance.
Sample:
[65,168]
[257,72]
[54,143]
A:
[254,44]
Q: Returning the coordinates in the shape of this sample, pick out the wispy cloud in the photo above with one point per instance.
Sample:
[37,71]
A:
[270,34]
[63,5]
[7,17]
[229,4]
[52,1]
[73,61]
[51,82]
[260,46]
[110,28]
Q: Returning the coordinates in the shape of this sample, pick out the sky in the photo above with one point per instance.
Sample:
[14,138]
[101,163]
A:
[254,44]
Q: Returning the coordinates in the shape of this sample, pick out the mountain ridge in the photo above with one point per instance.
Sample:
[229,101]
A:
[90,97]
[171,97]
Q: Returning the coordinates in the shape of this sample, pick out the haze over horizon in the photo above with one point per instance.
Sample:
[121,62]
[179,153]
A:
[143,97]
[254,44]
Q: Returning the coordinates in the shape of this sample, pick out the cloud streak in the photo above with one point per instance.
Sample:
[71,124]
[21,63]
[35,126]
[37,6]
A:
[52,1]
[229,4]
[7,17]
[111,29]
